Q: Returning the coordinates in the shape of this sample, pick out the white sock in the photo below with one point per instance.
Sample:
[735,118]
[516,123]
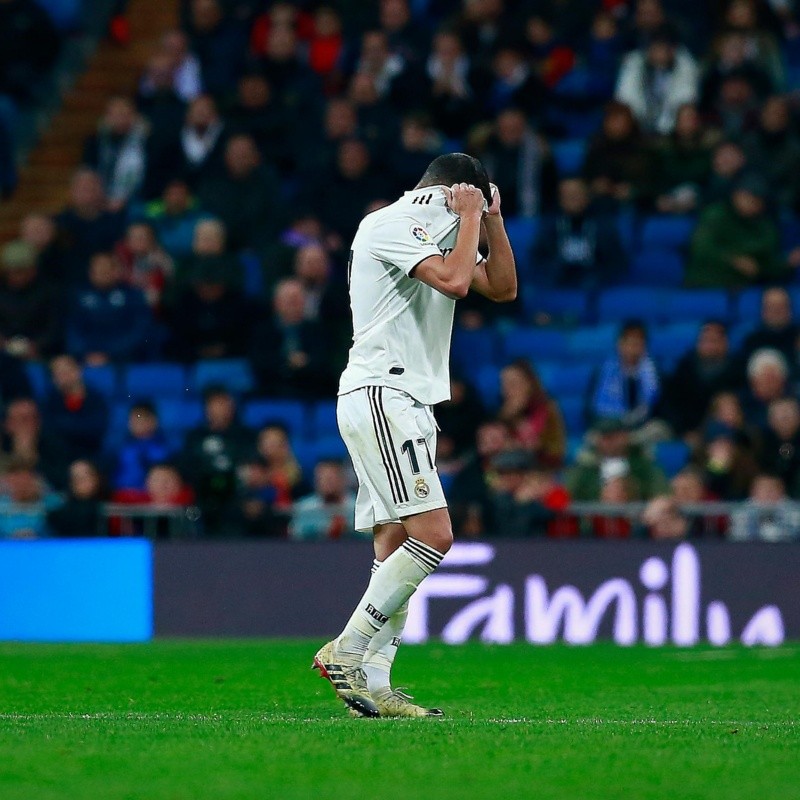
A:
[382,649]
[388,591]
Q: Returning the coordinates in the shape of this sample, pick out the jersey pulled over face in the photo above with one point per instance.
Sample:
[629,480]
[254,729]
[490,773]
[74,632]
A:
[401,326]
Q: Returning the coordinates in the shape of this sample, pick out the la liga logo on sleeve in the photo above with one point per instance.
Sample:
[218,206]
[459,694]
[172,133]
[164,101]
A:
[420,234]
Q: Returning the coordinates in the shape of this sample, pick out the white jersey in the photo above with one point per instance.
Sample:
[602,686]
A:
[402,327]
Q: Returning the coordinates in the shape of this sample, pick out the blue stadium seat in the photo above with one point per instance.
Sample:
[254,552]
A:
[627,228]
[232,373]
[569,156]
[568,380]
[738,333]
[521,234]
[291,413]
[790,233]
[593,343]
[472,348]
[747,305]
[572,409]
[155,380]
[66,14]
[487,384]
[569,305]
[626,302]
[178,414]
[667,343]
[672,457]
[657,268]
[308,452]
[574,445]
[697,304]
[39,378]
[534,343]
[252,274]
[103,379]
[667,232]
[323,420]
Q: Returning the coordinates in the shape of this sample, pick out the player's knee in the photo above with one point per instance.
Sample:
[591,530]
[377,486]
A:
[442,539]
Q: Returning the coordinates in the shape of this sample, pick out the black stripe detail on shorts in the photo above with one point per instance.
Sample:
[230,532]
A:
[394,479]
[392,451]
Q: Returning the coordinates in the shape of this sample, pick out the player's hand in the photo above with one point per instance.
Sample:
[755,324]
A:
[466,200]
[494,208]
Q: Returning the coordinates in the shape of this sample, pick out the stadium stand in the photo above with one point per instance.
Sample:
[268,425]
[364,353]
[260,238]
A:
[225,152]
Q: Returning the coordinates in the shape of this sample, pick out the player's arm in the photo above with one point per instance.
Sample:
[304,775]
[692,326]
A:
[495,276]
[453,274]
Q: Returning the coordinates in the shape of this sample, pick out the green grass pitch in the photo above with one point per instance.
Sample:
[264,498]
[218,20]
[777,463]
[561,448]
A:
[188,720]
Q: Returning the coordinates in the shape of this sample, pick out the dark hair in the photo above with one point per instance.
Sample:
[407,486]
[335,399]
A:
[632,326]
[144,407]
[216,390]
[453,168]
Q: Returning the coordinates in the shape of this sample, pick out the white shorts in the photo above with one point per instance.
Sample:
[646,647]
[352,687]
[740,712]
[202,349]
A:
[392,441]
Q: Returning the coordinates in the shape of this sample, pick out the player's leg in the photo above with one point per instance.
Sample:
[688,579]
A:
[409,487]
[382,649]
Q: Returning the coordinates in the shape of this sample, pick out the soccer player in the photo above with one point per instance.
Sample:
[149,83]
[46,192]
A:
[408,265]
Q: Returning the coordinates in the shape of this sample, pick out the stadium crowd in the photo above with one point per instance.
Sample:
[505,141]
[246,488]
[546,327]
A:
[639,147]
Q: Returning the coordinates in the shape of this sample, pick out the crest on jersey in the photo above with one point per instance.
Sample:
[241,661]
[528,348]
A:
[420,234]
[421,489]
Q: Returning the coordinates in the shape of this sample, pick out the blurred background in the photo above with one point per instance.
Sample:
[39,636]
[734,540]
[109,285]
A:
[180,183]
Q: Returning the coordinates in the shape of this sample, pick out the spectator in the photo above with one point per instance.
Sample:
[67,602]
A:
[328,513]
[404,36]
[220,43]
[778,330]
[289,353]
[780,445]
[612,453]
[327,45]
[760,44]
[527,499]
[202,141]
[458,418]
[513,83]
[769,515]
[144,446]
[546,37]
[577,246]
[736,243]
[532,416]
[186,72]
[648,19]
[39,231]
[519,160]
[14,381]
[627,385]
[391,75]
[731,55]
[619,166]
[729,164]
[8,166]
[109,320]
[767,379]
[774,148]
[736,108]
[378,119]
[29,45]
[352,186]
[453,105]
[657,82]
[617,488]
[117,152]
[211,318]
[728,462]
[86,227]
[81,515]
[471,504]
[164,491]
[684,164]
[726,408]
[174,218]
[244,196]
[419,144]
[664,519]
[209,249]
[30,324]
[688,487]
[256,114]
[73,411]
[315,151]
[706,370]
[145,265]
[270,482]
[24,502]
[23,439]
[212,455]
